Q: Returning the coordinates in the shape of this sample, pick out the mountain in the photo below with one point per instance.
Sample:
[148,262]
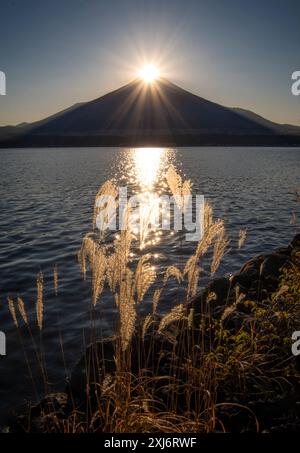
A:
[22,129]
[277,128]
[140,114]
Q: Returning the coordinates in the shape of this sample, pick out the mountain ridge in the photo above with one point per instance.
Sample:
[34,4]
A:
[141,114]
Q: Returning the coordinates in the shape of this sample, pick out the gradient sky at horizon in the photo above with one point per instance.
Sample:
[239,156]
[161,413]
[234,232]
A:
[237,53]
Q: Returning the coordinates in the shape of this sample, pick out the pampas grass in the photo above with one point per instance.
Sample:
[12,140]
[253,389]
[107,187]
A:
[242,238]
[39,300]
[173,271]
[181,190]
[211,296]
[146,324]
[111,266]
[145,276]
[127,310]
[220,247]
[155,299]
[193,280]
[22,310]
[176,314]
[108,189]
[98,266]
[190,318]
[12,310]
[55,279]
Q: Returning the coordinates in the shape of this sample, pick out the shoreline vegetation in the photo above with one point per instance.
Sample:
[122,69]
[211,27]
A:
[169,141]
[218,361]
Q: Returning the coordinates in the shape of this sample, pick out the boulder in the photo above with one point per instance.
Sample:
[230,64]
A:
[272,265]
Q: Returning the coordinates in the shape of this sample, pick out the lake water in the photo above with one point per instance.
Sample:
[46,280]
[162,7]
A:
[46,204]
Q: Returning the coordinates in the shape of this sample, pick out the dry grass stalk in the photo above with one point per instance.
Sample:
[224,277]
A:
[193,279]
[22,310]
[173,271]
[11,307]
[297,195]
[87,251]
[208,220]
[39,299]
[108,385]
[127,311]
[211,296]
[176,314]
[211,232]
[146,324]
[219,250]
[112,272]
[156,298]
[190,264]
[98,266]
[145,276]
[282,291]
[117,262]
[242,238]
[55,279]
[191,318]
[95,254]
[181,190]
[293,220]
[228,311]
[239,297]
[108,189]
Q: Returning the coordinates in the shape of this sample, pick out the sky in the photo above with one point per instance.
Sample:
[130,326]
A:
[238,53]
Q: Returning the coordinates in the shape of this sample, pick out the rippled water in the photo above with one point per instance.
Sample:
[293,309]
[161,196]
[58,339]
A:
[46,200]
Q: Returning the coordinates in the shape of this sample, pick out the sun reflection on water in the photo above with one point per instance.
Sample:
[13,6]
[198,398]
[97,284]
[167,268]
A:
[145,171]
[148,164]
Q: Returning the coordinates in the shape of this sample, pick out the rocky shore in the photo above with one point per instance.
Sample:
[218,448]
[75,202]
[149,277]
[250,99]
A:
[257,280]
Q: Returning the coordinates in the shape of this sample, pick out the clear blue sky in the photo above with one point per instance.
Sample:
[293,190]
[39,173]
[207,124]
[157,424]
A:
[235,52]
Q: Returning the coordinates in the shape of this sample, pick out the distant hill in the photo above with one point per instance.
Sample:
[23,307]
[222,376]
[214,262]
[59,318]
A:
[24,128]
[140,114]
[277,128]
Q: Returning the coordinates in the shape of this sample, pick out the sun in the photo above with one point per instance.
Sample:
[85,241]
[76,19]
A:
[149,73]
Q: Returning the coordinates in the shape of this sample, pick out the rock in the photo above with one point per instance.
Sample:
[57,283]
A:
[87,370]
[296,241]
[272,265]
[34,417]
[253,265]
[220,287]
[257,279]
[233,319]
[244,280]
[52,402]
[284,250]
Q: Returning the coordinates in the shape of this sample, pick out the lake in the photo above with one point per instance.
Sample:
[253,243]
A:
[46,208]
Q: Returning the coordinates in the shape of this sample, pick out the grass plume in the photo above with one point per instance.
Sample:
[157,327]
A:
[39,300]
[12,310]
[242,238]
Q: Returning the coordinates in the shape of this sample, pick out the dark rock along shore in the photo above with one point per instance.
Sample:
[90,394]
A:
[257,279]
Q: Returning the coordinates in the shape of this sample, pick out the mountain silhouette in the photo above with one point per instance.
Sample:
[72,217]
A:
[158,113]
